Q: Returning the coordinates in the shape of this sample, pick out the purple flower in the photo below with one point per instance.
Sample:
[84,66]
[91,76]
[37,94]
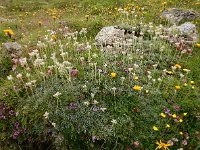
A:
[126,71]
[166,110]
[94,138]
[2,117]
[72,106]
[16,125]
[15,134]
[11,112]
[96,109]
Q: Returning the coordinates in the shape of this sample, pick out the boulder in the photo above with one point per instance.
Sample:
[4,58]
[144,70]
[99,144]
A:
[182,37]
[110,35]
[189,29]
[13,47]
[175,15]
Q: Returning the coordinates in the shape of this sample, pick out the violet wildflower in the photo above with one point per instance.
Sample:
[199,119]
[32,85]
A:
[16,125]
[11,112]
[15,134]
[72,106]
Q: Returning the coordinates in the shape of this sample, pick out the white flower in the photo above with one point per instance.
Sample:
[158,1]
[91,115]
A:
[53,124]
[38,62]
[181,75]
[28,84]
[149,72]
[105,65]
[114,121]
[173,68]
[57,94]
[33,81]
[86,103]
[28,75]
[92,95]
[159,79]
[136,66]
[46,115]
[23,61]
[149,76]
[19,75]
[114,88]
[10,77]
[95,102]
[155,66]
[122,78]
[130,69]
[103,109]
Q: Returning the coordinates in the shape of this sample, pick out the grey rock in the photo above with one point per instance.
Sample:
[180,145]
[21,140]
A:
[109,35]
[13,47]
[188,29]
[6,20]
[175,15]
[182,37]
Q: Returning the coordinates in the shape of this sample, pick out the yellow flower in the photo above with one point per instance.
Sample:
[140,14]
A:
[155,128]
[184,114]
[8,32]
[54,17]
[147,91]
[181,133]
[186,70]
[137,88]
[198,45]
[87,17]
[169,72]
[162,145]
[164,3]
[181,120]
[167,126]
[135,78]
[178,66]
[39,23]
[193,87]
[185,84]
[174,115]
[177,87]
[163,115]
[191,82]
[113,74]
[54,37]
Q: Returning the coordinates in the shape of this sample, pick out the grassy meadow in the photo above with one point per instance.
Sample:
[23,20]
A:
[62,91]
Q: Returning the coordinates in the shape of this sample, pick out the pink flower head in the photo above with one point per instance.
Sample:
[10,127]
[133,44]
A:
[74,72]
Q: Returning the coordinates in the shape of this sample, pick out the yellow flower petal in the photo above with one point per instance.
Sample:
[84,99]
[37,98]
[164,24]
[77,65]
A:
[155,128]
[113,74]
[163,115]
[174,115]
[137,88]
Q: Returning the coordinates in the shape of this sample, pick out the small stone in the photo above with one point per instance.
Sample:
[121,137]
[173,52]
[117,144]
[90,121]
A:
[6,20]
